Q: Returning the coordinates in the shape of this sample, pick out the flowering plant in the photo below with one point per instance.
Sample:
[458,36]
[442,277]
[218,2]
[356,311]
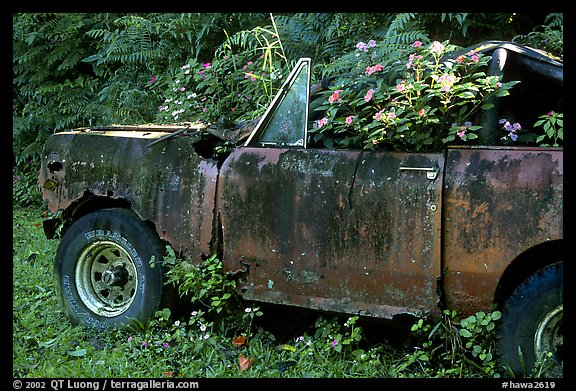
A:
[230,88]
[512,130]
[553,125]
[417,101]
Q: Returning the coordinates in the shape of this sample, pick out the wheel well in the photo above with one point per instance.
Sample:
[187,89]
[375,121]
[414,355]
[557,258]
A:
[526,264]
[89,203]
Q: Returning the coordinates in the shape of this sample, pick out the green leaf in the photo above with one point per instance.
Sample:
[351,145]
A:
[77,352]
[466,95]
[465,333]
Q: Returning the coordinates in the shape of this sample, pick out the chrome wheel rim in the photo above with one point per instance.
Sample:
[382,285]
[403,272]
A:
[549,339]
[106,278]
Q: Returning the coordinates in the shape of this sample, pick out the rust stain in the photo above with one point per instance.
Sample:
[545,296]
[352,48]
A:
[340,230]
[499,203]
[343,226]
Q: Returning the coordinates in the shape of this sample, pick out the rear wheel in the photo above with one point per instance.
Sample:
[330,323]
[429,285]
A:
[531,327]
[108,269]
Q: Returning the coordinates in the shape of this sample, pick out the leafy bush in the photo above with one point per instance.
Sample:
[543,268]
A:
[454,343]
[416,101]
[553,126]
[237,84]
[203,285]
[25,191]
[549,36]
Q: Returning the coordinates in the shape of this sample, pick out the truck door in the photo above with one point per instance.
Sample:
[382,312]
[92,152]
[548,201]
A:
[341,230]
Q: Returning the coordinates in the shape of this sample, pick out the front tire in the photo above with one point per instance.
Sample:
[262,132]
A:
[104,272]
[532,325]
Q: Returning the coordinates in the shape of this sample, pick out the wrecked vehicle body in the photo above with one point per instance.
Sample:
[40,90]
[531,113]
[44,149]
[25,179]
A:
[378,234]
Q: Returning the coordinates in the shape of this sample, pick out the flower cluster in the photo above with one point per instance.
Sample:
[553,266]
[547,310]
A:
[407,100]
[364,47]
[512,129]
[233,87]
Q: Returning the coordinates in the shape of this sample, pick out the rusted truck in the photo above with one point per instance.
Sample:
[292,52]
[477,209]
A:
[381,234]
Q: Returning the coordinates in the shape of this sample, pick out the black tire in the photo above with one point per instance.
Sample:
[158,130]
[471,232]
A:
[532,324]
[103,270]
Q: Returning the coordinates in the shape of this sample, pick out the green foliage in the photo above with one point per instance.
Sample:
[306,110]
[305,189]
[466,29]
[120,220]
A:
[196,343]
[204,284]
[548,131]
[553,125]
[414,100]
[455,343]
[91,69]
[334,337]
[238,83]
[548,36]
[25,191]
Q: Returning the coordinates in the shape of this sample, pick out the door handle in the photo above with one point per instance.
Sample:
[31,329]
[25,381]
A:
[431,172]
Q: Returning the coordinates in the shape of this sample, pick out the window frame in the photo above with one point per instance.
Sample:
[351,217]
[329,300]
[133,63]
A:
[253,139]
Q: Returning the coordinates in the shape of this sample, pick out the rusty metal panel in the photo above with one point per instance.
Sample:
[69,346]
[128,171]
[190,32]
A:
[499,202]
[167,183]
[347,231]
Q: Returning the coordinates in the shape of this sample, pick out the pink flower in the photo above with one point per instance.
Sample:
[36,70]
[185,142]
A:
[416,44]
[206,65]
[436,47]
[322,122]
[153,79]
[379,115]
[400,87]
[411,60]
[446,81]
[349,119]
[373,69]
[334,343]
[368,96]
[335,97]
[421,112]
